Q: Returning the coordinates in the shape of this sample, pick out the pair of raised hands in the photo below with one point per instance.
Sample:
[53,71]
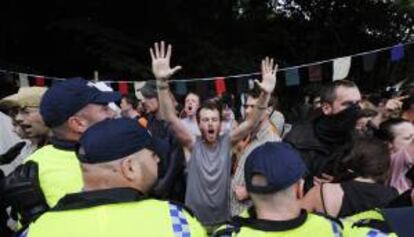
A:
[161,58]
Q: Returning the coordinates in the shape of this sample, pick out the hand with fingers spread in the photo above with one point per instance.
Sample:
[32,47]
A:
[160,56]
[267,85]
[269,69]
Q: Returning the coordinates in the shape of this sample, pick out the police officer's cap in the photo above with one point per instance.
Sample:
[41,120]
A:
[278,162]
[114,139]
[65,98]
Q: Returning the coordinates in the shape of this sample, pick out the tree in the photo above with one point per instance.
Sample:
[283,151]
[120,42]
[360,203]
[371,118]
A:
[211,37]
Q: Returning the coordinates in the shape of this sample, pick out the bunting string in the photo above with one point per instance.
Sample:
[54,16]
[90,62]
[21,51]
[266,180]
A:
[396,54]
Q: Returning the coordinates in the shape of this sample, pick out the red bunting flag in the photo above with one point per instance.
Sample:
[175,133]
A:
[40,81]
[123,87]
[220,85]
[315,73]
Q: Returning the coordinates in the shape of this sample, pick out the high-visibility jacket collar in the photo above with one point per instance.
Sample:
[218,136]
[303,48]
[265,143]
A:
[268,225]
[63,144]
[99,197]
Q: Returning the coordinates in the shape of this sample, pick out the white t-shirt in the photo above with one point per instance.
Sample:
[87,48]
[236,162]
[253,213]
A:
[9,138]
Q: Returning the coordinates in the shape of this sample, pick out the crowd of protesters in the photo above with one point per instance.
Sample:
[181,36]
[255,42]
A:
[78,161]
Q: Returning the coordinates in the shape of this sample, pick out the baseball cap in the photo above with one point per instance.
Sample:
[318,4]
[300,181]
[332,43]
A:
[149,90]
[26,97]
[114,139]
[66,98]
[278,162]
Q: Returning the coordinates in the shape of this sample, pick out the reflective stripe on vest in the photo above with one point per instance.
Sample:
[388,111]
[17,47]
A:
[179,221]
[376,233]
[336,229]
[24,233]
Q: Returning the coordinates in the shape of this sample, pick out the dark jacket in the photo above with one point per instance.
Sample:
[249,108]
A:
[319,157]
[4,229]
[171,183]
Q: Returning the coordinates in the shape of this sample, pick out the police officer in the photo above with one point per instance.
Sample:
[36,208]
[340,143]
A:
[395,221]
[68,108]
[273,175]
[119,161]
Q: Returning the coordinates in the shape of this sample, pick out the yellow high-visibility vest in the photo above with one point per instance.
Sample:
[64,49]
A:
[315,225]
[59,172]
[133,218]
[351,229]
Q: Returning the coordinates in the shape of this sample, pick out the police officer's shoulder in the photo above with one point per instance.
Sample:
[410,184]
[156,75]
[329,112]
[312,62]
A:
[369,214]
[37,154]
[380,225]
[181,206]
[369,219]
[329,218]
[41,153]
[226,230]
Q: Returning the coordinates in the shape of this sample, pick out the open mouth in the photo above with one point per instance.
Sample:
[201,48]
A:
[25,126]
[210,131]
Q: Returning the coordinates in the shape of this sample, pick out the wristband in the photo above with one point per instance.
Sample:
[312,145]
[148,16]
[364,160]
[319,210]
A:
[162,87]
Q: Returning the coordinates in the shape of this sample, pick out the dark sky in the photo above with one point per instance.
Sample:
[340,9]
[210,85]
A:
[68,38]
[59,37]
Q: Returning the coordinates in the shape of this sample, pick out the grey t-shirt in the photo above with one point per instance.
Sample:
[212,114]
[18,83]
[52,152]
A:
[208,181]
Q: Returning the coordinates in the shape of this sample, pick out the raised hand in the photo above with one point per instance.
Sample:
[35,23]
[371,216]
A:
[395,103]
[160,56]
[269,69]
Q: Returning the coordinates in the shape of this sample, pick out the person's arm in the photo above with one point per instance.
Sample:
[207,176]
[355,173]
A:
[392,107]
[269,69]
[160,56]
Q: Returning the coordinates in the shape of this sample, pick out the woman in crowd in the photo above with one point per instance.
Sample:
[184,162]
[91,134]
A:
[399,134]
[362,187]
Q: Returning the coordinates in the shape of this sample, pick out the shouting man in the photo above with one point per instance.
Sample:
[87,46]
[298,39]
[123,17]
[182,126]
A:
[208,185]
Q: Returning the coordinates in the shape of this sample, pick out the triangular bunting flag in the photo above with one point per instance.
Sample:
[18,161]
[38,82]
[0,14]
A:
[242,85]
[220,85]
[138,85]
[180,88]
[292,77]
[315,73]
[341,68]
[23,80]
[251,84]
[123,87]
[369,61]
[40,81]
[397,52]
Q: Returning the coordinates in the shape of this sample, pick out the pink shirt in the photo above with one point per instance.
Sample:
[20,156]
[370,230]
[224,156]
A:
[401,162]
